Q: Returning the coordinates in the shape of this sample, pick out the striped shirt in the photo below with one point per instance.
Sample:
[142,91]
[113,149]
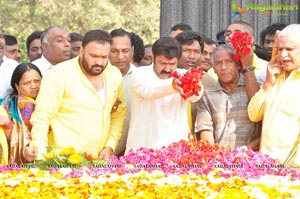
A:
[226,116]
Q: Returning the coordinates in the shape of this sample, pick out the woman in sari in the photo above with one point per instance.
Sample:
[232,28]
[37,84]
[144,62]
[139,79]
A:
[25,81]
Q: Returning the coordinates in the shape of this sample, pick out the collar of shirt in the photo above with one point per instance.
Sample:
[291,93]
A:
[43,58]
[131,69]
[218,87]
[10,63]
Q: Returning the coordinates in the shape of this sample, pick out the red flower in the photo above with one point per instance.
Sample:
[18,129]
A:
[89,156]
[190,82]
[242,43]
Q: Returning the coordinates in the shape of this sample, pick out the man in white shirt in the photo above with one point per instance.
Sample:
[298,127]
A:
[158,112]
[12,48]
[56,48]
[2,45]
[34,46]
[120,55]
[206,53]
[7,66]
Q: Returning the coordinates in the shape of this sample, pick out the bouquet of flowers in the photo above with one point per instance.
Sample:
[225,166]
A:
[242,43]
[190,82]
[67,157]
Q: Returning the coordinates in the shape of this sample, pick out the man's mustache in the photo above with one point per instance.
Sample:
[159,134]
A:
[97,65]
[165,72]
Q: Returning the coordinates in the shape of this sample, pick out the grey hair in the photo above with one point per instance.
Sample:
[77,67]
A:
[44,36]
[292,29]
[226,47]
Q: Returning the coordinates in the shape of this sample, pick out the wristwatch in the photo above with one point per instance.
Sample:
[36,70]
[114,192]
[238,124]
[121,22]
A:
[247,69]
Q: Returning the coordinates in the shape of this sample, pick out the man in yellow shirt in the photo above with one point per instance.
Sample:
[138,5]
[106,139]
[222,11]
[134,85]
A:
[74,105]
[277,103]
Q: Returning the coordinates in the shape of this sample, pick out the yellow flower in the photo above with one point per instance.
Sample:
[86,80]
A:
[75,158]
[67,151]
[50,155]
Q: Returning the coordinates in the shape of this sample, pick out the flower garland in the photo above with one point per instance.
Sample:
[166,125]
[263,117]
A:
[190,82]
[42,184]
[183,157]
[242,43]
[184,169]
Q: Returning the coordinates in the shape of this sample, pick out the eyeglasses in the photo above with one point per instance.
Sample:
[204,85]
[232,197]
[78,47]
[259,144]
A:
[228,63]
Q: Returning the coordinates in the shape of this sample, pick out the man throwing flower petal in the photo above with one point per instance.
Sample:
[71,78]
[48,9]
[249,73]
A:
[158,112]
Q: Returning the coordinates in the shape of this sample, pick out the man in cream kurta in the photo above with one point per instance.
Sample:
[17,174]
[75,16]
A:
[277,103]
[73,108]
[158,112]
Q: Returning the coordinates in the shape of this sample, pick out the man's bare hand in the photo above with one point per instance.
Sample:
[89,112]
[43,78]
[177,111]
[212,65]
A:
[116,105]
[175,84]
[274,68]
[246,60]
[30,153]
[105,153]
[7,125]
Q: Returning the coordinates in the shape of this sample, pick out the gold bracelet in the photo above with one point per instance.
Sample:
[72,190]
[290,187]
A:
[108,147]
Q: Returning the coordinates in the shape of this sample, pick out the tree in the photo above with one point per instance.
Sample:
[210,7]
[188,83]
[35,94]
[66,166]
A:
[21,17]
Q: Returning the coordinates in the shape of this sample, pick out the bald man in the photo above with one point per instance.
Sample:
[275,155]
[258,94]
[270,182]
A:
[277,103]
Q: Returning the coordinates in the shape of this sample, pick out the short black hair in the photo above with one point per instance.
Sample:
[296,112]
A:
[168,47]
[187,38]
[139,49]
[270,30]
[209,41]
[181,26]
[220,36]
[35,35]
[262,53]
[120,32]
[74,36]
[96,35]
[244,23]
[10,40]
[249,28]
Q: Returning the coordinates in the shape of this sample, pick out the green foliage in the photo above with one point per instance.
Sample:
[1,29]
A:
[62,162]
[21,17]
[67,158]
